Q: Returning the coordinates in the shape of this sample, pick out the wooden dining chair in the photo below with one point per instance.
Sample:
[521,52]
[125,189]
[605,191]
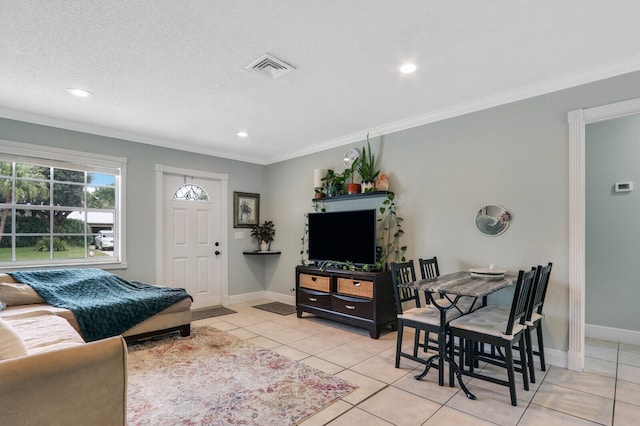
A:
[490,325]
[427,318]
[534,318]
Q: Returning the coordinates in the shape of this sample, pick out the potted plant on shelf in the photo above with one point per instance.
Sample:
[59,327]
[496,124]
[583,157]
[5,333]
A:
[334,183]
[367,168]
[352,187]
[264,234]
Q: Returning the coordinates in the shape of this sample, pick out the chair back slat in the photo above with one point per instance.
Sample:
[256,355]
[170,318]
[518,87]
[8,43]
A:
[521,297]
[429,268]
[540,289]
[402,273]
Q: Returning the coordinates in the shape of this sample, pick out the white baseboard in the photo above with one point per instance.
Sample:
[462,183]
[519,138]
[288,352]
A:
[612,334]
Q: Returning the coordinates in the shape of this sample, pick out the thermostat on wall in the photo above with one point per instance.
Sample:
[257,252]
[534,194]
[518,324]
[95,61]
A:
[623,187]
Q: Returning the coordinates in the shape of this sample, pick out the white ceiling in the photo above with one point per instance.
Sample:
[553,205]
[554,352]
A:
[171,72]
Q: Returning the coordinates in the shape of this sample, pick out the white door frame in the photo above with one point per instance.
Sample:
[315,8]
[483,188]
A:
[578,119]
[161,170]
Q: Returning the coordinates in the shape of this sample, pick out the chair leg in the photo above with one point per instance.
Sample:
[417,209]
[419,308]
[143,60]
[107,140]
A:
[540,347]
[523,358]
[399,343]
[508,352]
[528,343]
[416,342]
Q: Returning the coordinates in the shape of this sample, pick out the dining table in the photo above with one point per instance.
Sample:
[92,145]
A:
[445,292]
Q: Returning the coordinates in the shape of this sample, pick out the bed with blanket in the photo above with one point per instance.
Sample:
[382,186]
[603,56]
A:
[97,303]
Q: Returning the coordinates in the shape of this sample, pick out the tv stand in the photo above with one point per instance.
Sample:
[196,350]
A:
[359,298]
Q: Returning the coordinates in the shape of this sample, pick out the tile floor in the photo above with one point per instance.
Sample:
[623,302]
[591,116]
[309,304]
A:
[607,393]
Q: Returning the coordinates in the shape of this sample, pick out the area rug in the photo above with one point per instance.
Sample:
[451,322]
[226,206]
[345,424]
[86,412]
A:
[277,308]
[210,312]
[214,378]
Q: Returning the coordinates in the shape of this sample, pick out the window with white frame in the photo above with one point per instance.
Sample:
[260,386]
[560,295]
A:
[59,207]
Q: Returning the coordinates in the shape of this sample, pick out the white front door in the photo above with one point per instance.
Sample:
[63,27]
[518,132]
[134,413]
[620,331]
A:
[192,237]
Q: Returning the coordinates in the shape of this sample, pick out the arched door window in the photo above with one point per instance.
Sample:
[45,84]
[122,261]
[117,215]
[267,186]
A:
[191,192]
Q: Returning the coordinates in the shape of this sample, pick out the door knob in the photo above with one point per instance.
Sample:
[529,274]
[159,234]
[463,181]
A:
[217,252]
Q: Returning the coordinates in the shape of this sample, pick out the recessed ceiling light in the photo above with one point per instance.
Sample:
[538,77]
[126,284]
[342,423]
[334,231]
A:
[408,68]
[243,134]
[81,93]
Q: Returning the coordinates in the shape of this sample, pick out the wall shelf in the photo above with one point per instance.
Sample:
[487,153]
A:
[260,253]
[347,197]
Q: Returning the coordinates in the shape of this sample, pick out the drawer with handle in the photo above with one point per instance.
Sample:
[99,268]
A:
[314,298]
[352,306]
[315,282]
[354,287]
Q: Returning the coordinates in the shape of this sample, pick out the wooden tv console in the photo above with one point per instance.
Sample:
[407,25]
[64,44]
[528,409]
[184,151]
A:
[362,299]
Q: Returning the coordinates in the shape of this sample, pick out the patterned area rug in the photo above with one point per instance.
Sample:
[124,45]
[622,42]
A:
[214,378]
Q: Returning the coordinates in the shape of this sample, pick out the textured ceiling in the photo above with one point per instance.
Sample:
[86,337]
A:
[171,73]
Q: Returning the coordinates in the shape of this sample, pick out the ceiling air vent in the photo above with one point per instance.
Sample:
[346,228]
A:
[269,66]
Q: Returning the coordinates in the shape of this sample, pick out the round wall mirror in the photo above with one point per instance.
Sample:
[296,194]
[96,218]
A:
[492,220]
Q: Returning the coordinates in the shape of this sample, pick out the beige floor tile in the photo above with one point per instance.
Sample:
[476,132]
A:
[501,373]
[242,320]
[321,364]
[327,414]
[380,369]
[629,373]
[575,403]
[629,358]
[263,342]
[358,417]
[345,356]
[447,416]
[489,406]
[428,387]
[374,346]
[600,367]
[290,352]
[601,349]
[399,407]
[628,392]
[626,414]
[537,415]
[583,382]
[366,386]
[315,344]
[224,326]
[242,333]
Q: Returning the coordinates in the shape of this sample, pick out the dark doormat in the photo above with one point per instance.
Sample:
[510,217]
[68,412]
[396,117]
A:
[210,312]
[277,308]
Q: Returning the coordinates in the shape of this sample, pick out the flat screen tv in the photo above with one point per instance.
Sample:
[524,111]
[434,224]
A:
[347,236]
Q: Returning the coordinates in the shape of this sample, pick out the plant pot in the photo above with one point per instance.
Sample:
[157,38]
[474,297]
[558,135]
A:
[264,246]
[319,195]
[368,186]
[353,188]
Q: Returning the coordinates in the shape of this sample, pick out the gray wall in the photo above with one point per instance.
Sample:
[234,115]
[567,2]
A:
[612,231]
[515,155]
[244,276]
[442,173]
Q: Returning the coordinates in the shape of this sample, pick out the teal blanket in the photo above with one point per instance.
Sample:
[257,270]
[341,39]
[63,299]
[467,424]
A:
[104,304]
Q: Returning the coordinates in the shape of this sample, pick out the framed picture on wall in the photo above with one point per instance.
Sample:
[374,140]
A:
[246,209]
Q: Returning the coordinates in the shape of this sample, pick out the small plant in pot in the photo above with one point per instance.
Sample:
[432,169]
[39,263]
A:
[264,234]
[334,183]
[349,174]
[367,168]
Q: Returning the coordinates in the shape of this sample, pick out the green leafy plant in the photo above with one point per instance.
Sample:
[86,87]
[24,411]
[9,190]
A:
[264,232]
[334,183]
[391,233]
[367,165]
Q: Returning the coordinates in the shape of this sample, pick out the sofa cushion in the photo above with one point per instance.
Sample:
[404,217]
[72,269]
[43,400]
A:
[43,331]
[18,294]
[11,344]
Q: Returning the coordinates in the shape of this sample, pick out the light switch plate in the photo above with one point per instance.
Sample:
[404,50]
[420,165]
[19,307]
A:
[623,187]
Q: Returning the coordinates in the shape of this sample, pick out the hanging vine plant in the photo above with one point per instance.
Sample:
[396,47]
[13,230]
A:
[391,233]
